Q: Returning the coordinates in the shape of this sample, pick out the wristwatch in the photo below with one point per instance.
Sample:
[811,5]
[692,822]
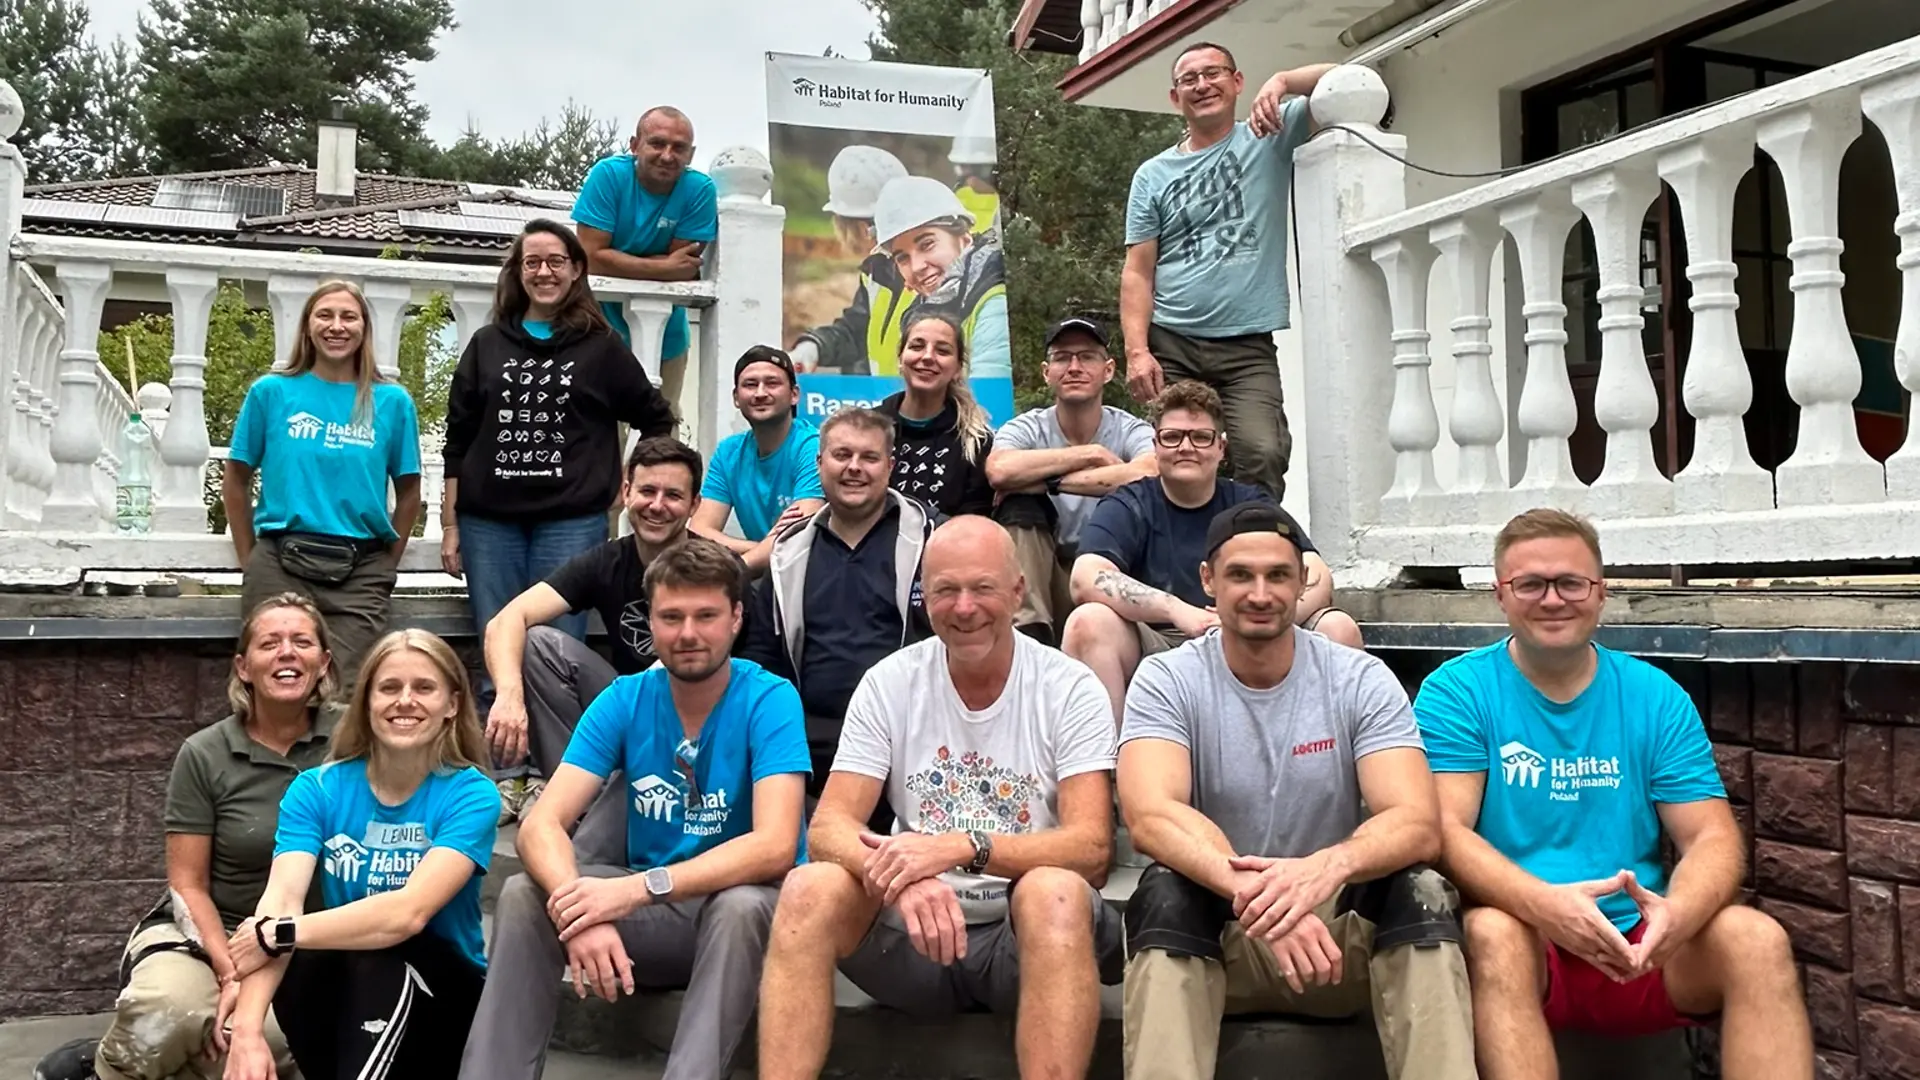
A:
[1053,485]
[659,882]
[283,934]
[982,851]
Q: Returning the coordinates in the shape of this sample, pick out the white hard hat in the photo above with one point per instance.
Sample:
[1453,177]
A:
[913,201]
[973,150]
[855,178]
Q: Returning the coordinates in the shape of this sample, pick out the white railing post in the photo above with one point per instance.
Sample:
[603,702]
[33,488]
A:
[746,276]
[13,309]
[1630,484]
[1894,107]
[1823,367]
[1413,425]
[1142,11]
[154,403]
[388,302]
[36,426]
[1476,420]
[471,306]
[1112,21]
[18,444]
[1089,29]
[647,322]
[180,495]
[1547,413]
[286,295]
[77,439]
[46,402]
[1349,376]
[1718,388]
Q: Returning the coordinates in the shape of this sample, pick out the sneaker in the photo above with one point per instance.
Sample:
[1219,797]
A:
[73,1061]
[536,787]
[513,796]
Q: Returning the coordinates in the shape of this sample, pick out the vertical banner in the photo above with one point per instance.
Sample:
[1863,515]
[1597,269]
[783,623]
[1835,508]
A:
[886,172]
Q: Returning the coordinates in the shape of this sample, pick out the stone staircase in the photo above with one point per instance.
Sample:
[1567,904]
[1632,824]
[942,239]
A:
[872,1042]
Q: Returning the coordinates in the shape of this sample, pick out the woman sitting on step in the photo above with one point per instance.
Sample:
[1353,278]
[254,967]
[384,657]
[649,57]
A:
[177,980]
[381,978]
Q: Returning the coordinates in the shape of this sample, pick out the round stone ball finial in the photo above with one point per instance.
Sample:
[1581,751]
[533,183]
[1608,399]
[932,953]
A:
[13,111]
[1349,94]
[741,171]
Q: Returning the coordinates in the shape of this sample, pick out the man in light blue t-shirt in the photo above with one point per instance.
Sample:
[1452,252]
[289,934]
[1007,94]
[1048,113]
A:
[645,214]
[1561,764]
[768,475]
[709,755]
[1205,282]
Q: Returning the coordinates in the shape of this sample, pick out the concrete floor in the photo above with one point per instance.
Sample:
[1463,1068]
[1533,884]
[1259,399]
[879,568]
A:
[24,1042]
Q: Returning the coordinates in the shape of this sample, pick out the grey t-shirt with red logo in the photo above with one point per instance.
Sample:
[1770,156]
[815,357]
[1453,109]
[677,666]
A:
[1273,768]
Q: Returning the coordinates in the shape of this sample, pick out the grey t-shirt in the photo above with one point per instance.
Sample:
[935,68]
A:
[1273,768]
[1120,431]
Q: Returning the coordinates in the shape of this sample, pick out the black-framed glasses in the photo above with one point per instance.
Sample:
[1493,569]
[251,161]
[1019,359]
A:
[1171,438]
[556,263]
[1572,588]
[1191,79]
[1086,358]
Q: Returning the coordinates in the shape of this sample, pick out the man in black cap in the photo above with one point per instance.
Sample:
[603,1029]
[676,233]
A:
[765,476]
[1052,464]
[1246,757]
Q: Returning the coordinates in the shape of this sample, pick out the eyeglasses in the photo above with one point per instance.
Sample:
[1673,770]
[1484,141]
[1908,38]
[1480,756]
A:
[1209,74]
[1086,358]
[1572,588]
[556,263]
[1171,438]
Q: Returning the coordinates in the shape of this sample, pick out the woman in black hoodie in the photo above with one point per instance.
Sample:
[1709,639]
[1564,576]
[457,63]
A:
[941,433]
[533,438]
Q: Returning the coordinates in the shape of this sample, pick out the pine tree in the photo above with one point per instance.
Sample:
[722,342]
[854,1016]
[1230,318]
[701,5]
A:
[82,100]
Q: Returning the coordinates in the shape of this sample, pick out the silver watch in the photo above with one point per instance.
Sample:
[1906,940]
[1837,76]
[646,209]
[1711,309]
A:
[659,882]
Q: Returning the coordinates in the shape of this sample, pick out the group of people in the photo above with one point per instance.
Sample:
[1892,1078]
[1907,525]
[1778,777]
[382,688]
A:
[880,723]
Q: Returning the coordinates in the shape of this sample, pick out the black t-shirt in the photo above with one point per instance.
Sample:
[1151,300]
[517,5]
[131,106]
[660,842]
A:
[1159,544]
[608,580]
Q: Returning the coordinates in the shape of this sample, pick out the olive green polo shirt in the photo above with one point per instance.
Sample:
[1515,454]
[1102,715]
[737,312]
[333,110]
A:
[227,786]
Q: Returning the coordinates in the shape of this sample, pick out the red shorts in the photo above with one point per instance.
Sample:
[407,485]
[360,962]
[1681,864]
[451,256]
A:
[1581,997]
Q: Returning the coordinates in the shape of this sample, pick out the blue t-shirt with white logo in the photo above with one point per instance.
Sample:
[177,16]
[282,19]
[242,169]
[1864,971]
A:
[1571,788]
[321,472]
[759,488]
[685,796]
[644,224]
[366,847]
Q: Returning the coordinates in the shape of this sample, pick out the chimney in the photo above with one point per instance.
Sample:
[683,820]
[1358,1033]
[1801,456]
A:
[338,146]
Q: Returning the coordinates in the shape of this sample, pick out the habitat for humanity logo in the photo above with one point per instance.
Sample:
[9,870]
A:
[833,95]
[1523,766]
[346,858]
[304,425]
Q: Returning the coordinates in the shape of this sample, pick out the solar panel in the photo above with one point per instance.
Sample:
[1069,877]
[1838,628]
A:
[247,200]
[511,211]
[63,210]
[208,220]
[458,223]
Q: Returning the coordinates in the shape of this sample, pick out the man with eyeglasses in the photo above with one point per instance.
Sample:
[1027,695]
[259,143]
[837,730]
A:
[646,215]
[1051,465]
[1204,287]
[1137,576]
[1560,765]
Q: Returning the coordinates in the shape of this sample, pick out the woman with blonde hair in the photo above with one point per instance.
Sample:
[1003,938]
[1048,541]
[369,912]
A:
[383,978]
[325,436]
[941,433]
[177,980]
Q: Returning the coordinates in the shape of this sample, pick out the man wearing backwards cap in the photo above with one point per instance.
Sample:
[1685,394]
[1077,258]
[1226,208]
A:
[767,475]
[1051,465]
[1246,755]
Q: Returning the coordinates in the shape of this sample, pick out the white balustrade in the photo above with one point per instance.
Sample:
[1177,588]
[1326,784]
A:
[1893,106]
[1413,427]
[1466,246]
[471,306]
[647,323]
[1089,29]
[180,489]
[77,439]
[1548,413]
[1142,11]
[387,303]
[286,299]
[114,407]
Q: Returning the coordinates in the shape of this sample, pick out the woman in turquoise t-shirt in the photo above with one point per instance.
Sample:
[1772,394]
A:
[325,436]
[399,826]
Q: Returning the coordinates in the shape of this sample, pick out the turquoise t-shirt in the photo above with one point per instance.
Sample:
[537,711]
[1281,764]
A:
[642,223]
[1220,216]
[537,328]
[1571,789]
[319,471]
[684,798]
[366,847]
[759,488]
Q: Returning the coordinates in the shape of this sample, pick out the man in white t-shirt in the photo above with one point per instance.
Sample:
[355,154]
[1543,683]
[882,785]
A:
[997,754]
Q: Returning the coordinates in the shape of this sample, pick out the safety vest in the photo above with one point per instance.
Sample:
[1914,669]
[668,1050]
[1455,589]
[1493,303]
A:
[890,306]
[983,205]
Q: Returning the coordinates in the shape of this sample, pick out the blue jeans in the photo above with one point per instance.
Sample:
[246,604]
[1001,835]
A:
[504,559]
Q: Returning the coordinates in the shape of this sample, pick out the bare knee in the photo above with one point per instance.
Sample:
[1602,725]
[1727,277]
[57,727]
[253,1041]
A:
[1051,902]
[816,896]
[1500,948]
[1748,942]
[1339,627]
[1093,628]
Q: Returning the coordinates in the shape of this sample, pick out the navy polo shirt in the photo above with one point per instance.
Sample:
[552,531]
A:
[853,613]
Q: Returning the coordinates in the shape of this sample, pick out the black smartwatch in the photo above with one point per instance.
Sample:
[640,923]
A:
[283,934]
[982,852]
[1053,485]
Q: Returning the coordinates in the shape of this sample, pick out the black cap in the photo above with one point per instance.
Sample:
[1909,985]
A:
[1076,323]
[1250,517]
[765,354]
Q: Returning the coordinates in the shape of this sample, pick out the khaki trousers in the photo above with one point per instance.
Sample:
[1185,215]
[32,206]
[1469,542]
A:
[1049,596]
[163,1017]
[1418,995]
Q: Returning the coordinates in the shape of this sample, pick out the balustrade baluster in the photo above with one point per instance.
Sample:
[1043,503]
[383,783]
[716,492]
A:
[1413,427]
[180,493]
[77,438]
[1110,19]
[1894,107]
[471,306]
[1475,420]
[388,301]
[286,296]
[1547,414]
[1089,29]
[1823,367]
[43,407]
[647,322]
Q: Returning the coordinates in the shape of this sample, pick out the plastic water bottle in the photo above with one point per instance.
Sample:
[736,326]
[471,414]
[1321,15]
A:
[133,492]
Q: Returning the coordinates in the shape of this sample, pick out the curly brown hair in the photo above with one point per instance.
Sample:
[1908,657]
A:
[1190,396]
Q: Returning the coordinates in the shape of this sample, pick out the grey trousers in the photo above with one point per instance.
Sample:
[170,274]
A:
[713,946]
[355,609]
[1246,372]
[561,677]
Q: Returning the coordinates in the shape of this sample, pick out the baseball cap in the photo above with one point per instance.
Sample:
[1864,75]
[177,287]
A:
[1250,517]
[1075,323]
[765,354]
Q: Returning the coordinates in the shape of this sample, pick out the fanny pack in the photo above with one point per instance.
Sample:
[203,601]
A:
[321,559]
